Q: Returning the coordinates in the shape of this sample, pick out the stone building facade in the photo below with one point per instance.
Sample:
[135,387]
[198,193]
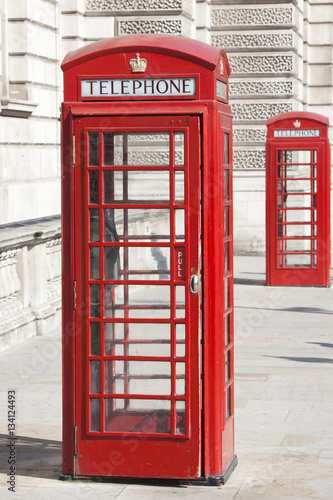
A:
[280,53]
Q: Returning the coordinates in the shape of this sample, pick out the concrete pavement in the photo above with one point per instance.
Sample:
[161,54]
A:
[284,404]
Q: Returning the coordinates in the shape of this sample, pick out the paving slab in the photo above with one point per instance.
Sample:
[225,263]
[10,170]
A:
[283,404]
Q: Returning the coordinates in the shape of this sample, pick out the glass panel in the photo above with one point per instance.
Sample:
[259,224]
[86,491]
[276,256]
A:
[180,379]
[113,263]
[95,415]
[298,215]
[137,339]
[180,340]
[93,186]
[297,156]
[138,377]
[226,258]
[94,263]
[180,225]
[297,230]
[145,260]
[138,415]
[298,245]
[93,148]
[95,380]
[226,184]
[227,366]
[179,148]
[94,224]
[294,171]
[228,403]
[298,260]
[95,334]
[227,330]
[146,224]
[297,186]
[94,301]
[136,186]
[226,294]
[297,201]
[226,149]
[226,221]
[136,149]
[180,186]
[180,417]
[142,301]
[180,301]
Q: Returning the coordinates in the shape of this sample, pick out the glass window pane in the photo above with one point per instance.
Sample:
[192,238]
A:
[149,262]
[226,221]
[95,414]
[180,225]
[227,330]
[226,258]
[93,186]
[297,156]
[93,148]
[95,372]
[297,186]
[228,403]
[179,186]
[180,379]
[138,415]
[146,224]
[296,215]
[94,224]
[179,148]
[297,230]
[180,417]
[94,263]
[297,201]
[298,245]
[298,260]
[137,149]
[227,366]
[294,171]
[138,377]
[226,149]
[142,301]
[94,301]
[226,294]
[180,301]
[95,334]
[180,340]
[136,186]
[226,184]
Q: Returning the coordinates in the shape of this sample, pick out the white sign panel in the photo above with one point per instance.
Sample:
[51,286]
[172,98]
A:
[297,133]
[140,87]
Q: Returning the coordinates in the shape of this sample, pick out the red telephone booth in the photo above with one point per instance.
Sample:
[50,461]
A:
[147,261]
[298,200]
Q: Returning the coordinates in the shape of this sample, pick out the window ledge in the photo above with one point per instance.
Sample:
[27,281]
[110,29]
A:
[16,108]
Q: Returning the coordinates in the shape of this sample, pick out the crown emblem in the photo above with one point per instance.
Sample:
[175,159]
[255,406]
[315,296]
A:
[297,124]
[137,64]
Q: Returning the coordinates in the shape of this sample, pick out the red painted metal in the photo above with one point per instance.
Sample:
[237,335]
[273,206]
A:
[298,200]
[191,435]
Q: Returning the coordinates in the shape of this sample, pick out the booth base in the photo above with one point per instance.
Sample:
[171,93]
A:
[208,481]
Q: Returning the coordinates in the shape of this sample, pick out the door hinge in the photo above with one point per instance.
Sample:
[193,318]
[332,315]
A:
[74,295]
[75,440]
[73,150]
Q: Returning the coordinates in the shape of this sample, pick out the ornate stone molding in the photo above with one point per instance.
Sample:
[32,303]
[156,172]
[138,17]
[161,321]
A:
[261,64]
[249,159]
[274,88]
[249,135]
[155,26]
[128,5]
[255,40]
[260,110]
[249,17]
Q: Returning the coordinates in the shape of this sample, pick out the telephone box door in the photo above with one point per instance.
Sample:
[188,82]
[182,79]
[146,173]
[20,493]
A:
[137,266]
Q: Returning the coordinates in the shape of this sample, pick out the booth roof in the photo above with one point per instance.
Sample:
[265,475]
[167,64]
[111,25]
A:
[184,48]
[302,115]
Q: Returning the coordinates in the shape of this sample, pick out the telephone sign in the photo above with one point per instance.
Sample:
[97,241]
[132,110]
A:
[147,193]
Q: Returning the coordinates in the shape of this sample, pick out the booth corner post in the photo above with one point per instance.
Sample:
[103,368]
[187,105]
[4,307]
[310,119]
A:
[148,347]
[298,247]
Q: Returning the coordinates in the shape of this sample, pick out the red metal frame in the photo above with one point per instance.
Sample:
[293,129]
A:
[207,450]
[298,200]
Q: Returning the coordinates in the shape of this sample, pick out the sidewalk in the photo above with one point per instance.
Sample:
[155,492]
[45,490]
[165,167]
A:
[284,404]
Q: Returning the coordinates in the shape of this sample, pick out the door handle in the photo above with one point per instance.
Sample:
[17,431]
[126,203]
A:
[194,283]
